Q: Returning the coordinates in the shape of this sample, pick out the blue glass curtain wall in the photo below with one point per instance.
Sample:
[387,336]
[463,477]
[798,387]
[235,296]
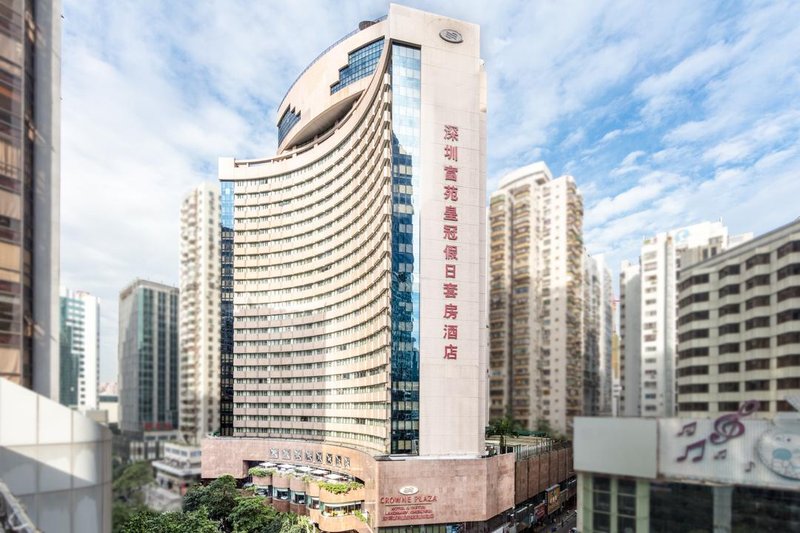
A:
[405,69]
[360,64]
[226,308]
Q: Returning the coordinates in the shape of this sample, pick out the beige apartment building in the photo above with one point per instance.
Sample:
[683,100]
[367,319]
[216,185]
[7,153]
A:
[536,300]
[200,314]
[739,328]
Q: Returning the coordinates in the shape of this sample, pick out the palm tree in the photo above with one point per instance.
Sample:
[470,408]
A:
[503,427]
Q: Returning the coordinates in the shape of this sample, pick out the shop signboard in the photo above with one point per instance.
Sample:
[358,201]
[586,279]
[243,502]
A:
[553,499]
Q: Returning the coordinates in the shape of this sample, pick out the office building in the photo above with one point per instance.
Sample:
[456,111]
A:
[536,301]
[739,329]
[55,462]
[80,350]
[29,193]
[357,292]
[679,474]
[148,367]
[662,258]
[199,314]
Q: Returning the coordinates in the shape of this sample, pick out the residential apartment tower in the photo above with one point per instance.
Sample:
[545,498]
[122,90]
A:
[200,314]
[536,309]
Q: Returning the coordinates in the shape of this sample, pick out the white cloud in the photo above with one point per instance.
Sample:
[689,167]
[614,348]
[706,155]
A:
[153,93]
[651,186]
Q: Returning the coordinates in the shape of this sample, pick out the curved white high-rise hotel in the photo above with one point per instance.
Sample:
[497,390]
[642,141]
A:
[358,285]
[358,249]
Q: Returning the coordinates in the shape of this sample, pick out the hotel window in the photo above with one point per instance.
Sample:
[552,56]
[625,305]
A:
[788,360]
[756,281]
[729,289]
[757,385]
[789,270]
[758,301]
[788,315]
[760,259]
[728,271]
[757,322]
[788,248]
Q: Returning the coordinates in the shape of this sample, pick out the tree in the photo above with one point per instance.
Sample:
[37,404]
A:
[219,497]
[543,426]
[251,516]
[146,521]
[293,523]
[127,487]
[127,493]
[503,427]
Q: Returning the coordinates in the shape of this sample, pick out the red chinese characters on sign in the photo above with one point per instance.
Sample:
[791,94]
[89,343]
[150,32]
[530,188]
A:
[450,311]
[451,332]
[450,290]
[451,351]
[450,233]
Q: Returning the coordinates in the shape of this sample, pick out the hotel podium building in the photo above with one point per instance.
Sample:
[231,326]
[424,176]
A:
[358,299]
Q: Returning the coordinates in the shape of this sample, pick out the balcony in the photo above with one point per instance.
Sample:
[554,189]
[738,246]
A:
[336,521]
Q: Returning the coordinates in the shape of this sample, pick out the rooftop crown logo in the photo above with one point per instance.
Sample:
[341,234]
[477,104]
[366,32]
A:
[451,36]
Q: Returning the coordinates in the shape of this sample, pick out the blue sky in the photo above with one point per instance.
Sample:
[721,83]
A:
[666,114]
